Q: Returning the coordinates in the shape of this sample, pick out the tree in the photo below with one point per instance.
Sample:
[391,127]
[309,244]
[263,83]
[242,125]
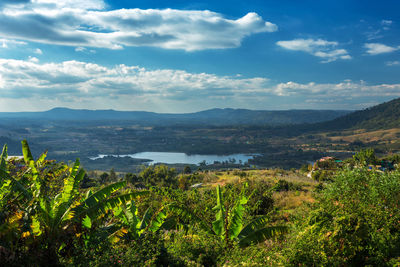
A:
[104,177]
[113,176]
[159,175]
[366,157]
[187,170]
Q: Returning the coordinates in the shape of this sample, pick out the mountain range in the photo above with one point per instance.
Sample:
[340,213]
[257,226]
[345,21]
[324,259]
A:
[227,116]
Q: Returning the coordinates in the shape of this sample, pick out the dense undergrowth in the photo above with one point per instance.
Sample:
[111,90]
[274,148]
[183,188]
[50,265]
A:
[54,214]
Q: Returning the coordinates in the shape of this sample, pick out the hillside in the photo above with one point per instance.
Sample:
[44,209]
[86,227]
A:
[382,116]
[215,117]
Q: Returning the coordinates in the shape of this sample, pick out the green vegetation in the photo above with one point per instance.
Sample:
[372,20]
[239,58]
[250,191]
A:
[355,221]
[383,116]
[52,214]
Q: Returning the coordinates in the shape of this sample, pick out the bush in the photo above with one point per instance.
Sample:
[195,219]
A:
[194,249]
[149,250]
[365,157]
[322,175]
[356,222]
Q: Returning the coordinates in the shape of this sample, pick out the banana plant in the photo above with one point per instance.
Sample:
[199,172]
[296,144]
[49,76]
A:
[228,223]
[132,227]
[56,220]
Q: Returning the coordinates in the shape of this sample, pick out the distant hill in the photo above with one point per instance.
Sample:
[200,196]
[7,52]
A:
[227,116]
[382,116]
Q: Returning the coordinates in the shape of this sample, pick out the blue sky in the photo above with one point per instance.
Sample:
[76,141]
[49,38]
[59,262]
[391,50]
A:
[185,56]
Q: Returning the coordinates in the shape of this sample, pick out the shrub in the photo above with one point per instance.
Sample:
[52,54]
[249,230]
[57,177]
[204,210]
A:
[194,249]
[356,222]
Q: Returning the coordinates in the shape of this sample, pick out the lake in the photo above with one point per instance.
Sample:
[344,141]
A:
[182,158]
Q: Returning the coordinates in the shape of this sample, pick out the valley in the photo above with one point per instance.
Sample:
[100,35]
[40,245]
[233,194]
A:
[280,146]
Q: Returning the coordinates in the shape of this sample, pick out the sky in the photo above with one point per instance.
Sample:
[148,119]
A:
[187,56]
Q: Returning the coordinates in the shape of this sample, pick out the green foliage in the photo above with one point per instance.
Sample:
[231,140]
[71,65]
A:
[322,175]
[228,223]
[159,175]
[46,218]
[45,213]
[148,250]
[187,170]
[196,249]
[305,168]
[355,222]
[133,225]
[365,157]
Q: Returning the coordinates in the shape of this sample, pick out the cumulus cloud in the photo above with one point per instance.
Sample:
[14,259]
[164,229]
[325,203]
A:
[87,4]
[82,85]
[377,48]
[89,24]
[327,50]
[346,88]
[80,79]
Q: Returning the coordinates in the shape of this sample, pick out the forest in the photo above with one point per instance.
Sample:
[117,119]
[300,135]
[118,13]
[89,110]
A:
[54,214]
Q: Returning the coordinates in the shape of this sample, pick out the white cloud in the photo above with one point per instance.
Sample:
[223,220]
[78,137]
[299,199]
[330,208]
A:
[38,51]
[86,80]
[377,48]
[33,59]
[87,85]
[346,88]
[386,22]
[393,63]
[87,4]
[317,47]
[6,42]
[89,24]
[80,49]
[84,49]
[377,31]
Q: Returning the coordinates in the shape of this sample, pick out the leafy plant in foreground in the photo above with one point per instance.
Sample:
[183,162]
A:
[356,222]
[43,219]
[228,223]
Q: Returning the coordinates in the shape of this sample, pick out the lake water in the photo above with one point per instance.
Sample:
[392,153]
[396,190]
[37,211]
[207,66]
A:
[174,158]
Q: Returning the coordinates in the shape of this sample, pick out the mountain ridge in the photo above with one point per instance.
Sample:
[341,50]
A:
[216,116]
[382,116]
